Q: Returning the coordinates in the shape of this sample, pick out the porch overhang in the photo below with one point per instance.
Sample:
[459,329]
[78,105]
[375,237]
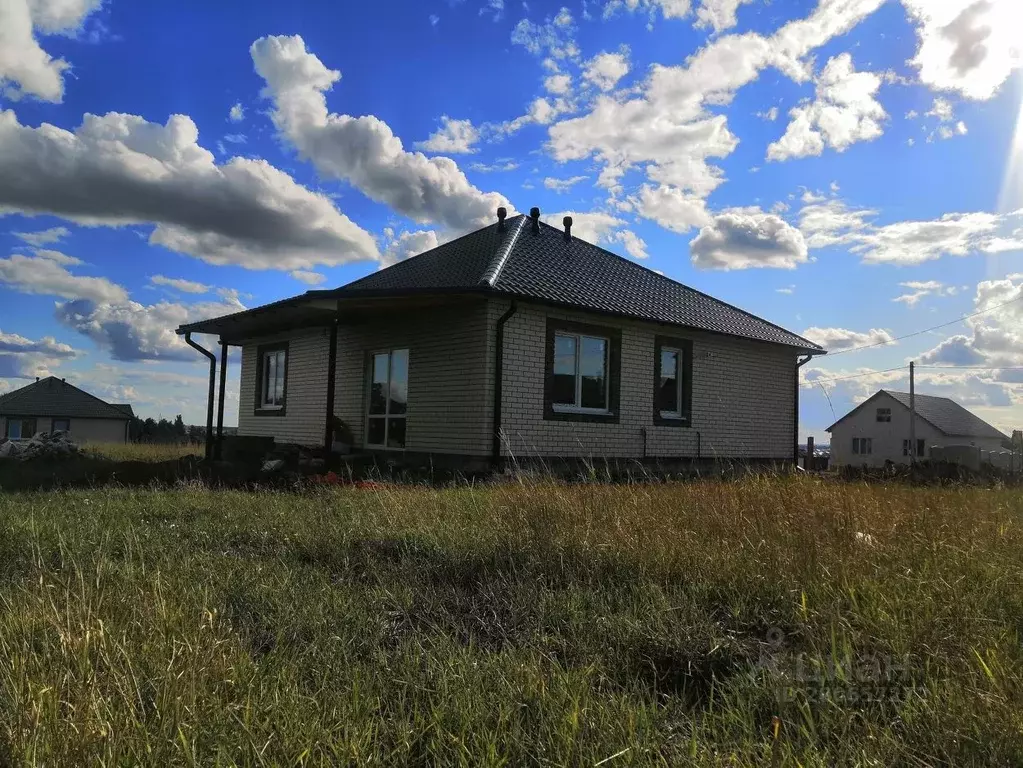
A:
[281,316]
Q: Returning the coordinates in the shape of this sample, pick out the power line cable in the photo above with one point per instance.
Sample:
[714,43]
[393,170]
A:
[921,367]
[856,375]
[925,330]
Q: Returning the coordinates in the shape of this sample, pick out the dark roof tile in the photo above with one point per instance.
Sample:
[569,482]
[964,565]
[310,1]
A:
[549,268]
[54,397]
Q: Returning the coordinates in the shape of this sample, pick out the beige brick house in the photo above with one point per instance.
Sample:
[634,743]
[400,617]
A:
[519,340]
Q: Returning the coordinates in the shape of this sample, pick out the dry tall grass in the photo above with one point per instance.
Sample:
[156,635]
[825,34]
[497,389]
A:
[768,621]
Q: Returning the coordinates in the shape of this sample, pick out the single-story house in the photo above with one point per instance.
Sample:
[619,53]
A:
[516,340]
[52,404]
[878,430]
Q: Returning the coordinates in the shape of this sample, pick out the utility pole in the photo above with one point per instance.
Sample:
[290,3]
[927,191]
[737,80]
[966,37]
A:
[912,413]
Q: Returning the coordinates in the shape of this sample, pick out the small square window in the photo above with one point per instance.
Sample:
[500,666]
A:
[884,414]
[61,425]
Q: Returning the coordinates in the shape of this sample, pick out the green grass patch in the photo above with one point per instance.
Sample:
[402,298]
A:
[714,623]
[150,452]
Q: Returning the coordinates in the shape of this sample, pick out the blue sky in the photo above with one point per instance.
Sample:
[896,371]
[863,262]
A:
[849,169]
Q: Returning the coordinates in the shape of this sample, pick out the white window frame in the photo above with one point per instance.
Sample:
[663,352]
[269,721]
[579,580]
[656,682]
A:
[386,416]
[577,407]
[264,384]
[679,362]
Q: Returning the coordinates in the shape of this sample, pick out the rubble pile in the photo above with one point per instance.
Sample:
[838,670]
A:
[44,445]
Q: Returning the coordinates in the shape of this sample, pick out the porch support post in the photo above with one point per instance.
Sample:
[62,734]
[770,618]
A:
[220,398]
[328,430]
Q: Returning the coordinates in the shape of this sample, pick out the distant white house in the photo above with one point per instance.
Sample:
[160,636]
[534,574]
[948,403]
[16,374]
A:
[877,430]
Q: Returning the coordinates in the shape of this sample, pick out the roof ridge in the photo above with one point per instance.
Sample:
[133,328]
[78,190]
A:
[493,271]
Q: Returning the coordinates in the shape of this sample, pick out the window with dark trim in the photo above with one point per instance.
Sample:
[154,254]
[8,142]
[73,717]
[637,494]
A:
[61,425]
[884,414]
[271,379]
[583,367]
[673,381]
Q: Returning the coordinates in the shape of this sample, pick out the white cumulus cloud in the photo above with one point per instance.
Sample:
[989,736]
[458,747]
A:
[363,150]
[969,46]
[453,137]
[25,68]
[844,112]
[744,239]
[120,169]
[837,339]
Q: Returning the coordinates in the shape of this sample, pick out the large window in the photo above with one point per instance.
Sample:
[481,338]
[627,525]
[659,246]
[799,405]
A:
[271,394]
[19,429]
[582,372]
[863,446]
[388,399]
[673,361]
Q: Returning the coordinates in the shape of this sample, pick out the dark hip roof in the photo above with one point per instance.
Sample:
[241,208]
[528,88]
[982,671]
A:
[55,397]
[547,267]
[944,414]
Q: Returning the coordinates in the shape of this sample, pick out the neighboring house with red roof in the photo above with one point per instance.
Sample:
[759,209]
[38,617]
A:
[51,404]
[522,340]
[877,430]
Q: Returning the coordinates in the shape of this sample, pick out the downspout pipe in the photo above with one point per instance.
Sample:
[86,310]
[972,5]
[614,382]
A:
[213,383]
[328,432]
[795,409]
[220,399]
[495,446]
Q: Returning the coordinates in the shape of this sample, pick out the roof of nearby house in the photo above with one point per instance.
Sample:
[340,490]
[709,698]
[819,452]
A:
[942,413]
[549,268]
[55,397]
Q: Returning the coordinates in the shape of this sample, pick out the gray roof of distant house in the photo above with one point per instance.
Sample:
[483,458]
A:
[948,416]
[548,268]
[54,397]
[942,413]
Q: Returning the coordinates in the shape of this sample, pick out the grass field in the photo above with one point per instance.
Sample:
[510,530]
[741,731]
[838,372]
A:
[769,621]
[151,452]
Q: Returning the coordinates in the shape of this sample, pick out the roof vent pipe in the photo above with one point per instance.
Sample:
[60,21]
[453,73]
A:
[534,214]
[502,214]
[568,228]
